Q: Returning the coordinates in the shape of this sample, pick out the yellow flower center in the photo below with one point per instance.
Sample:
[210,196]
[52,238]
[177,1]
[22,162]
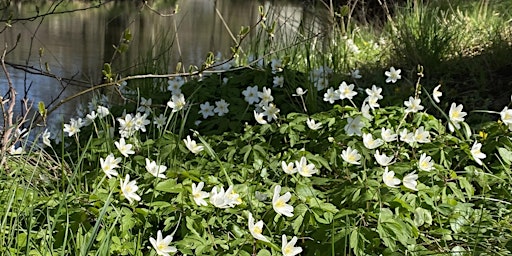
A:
[280,203]
[257,230]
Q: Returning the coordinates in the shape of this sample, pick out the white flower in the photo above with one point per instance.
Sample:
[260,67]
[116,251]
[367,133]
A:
[299,92]
[276,66]
[393,75]
[506,116]
[256,229]
[266,96]
[251,94]
[288,248]
[375,92]
[140,122]
[102,111]
[221,107]
[288,168]
[372,102]
[389,178]
[259,117]
[162,245]
[224,199]
[331,95]
[413,105]
[425,163]
[270,111]
[278,81]
[410,182]
[476,153]
[177,102]
[388,135]
[436,94]
[365,111]
[46,138]
[456,116]
[198,194]
[128,189]
[383,160]
[351,156]
[192,145]
[346,91]
[279,203]
[89,118]
[313,125]
[355,74]
[305,169]
[406,136]
[126,126]
[421,136]
[154,169]
[159,121]
[371,143]
[145,105]
[174,85]
[206,110]
[125,149]
[354,126]
[73,127]
[109,164]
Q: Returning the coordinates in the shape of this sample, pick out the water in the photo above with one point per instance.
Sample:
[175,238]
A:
[76,45]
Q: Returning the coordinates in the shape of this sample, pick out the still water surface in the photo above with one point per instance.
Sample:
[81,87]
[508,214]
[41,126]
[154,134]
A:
[76,45]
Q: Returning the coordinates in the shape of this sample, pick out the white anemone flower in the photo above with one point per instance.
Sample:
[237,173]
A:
[346,91]
[251,94]
[199,195]
[259,117]
[425,163]
[413,105]
[421,136]
[206,110]
[109,164]
[389,178]
[354,126]
[383,160]
[125,149]
[351,156]
[506,116]
[288,248]
[410,181]
[388,135]
[313,125]
[456,116]
[161,245]
[288,168]
[256,229]
[192,145]
[305,169]
[177,102]
[436,94]
[221,107]
[371,143]
[280,203]
[155,169]
[129,189]
[476,153]
[393,75]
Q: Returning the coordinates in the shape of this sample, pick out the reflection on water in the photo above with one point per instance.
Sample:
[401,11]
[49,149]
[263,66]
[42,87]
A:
[76,45]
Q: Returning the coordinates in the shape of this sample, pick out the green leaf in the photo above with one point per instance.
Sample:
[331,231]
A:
[506,155]
[169,186]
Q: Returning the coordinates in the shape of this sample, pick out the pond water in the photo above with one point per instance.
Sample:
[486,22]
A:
[76,45]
